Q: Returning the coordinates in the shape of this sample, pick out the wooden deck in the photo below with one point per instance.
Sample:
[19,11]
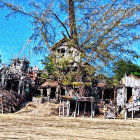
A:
[65,102]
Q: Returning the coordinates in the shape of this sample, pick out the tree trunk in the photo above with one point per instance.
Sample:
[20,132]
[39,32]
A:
[72,22]
[115,95]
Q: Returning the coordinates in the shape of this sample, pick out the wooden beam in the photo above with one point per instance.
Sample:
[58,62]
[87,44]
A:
[63,112]
[75,109]
[60,107]
[78,109]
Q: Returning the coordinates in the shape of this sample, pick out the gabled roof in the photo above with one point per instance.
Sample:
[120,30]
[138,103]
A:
[102,83]
[49,83]
[64,39]
[131,75]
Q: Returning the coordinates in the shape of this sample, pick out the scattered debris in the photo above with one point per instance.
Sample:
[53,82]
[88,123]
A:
[19,77]
[39,110]
[18,82]
[128,95]
[9,101]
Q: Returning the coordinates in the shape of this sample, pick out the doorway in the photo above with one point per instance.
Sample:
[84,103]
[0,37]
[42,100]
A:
[129,93]
[53,92]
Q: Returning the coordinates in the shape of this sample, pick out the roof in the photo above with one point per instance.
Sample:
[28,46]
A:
[21,60]
[49,83]
[131,75]
[120,86]
[102,83]
[64,39]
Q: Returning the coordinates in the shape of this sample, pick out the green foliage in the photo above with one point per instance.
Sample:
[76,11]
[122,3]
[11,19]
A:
[63,71]
[121,67]
[103,27]
[109,81]
[49,63]
[56,70]
[88,72]
[101,76]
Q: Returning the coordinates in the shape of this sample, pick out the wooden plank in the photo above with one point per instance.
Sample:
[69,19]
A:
[78,109]
[91,109]
[63,108]
[60,107]
[85,108]
[68,108]
[75,109]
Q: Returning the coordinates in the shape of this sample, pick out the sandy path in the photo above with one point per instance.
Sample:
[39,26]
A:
[29,127]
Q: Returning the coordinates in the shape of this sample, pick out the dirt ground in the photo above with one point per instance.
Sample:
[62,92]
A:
[16,126]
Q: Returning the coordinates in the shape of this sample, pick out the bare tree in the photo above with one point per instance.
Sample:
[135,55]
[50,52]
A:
[103,30]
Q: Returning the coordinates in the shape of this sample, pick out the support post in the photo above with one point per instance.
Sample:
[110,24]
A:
[103,92]
[125,112]
[78,108]
[132,114]
[1,105]
[85,108]
[56,94]
[63,112]
[48,93]
[60,107]
[75,109]
[41,92]
[68,108]
[133,111]
[91,109]
[115,95]
[105,109]
[23,89]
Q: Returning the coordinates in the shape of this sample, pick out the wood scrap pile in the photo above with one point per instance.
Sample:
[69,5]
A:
[111,112]
[39,109]
[9,101]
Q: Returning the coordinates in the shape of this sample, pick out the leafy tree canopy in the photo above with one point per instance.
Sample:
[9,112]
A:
[103,30]
[64,72]
[124,67]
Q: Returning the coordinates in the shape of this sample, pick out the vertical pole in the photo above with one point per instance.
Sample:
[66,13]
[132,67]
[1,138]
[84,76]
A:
[11,87]
[133,111]
[48,93]
[23,90]
[1,106]
[63,108]
[75,109]
[105,109]
[56,94]
[60,107]
[78,108]
[91,109]
[41,92]
[125,114]
[132,114]
[85,108]
[102,93]
[68,107]
[115,95]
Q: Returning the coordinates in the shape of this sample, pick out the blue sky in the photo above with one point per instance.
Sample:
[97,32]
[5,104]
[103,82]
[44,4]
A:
[14,34]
